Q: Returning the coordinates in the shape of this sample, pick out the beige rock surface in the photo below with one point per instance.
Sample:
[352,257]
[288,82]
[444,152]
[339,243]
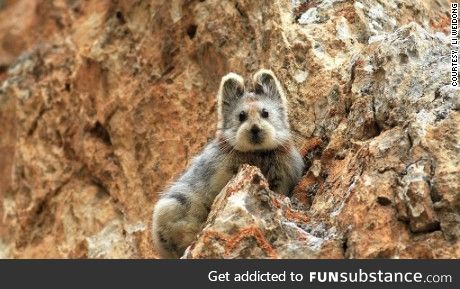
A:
[102,103]
[247,220]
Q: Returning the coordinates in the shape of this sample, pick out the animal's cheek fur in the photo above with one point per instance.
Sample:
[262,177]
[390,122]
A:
[241,137]
[269,130]
[269,135]
[230,137]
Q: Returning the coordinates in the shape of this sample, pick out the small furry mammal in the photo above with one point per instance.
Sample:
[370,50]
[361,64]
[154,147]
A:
[253,129]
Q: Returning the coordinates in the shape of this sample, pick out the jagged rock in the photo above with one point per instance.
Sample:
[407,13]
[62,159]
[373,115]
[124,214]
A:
[376,180]
[102,104]
[402,140]
[247,220]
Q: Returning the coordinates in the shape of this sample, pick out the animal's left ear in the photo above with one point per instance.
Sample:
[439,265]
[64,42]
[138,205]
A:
[265,82]
[230,91]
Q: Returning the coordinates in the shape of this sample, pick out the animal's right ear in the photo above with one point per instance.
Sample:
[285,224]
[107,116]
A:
[230,91]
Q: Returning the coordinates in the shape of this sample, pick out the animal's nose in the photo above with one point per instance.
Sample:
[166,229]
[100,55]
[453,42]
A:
[255,134]
[255,130]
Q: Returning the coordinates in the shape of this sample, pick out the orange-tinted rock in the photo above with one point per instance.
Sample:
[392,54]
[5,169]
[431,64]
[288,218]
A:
[247,220]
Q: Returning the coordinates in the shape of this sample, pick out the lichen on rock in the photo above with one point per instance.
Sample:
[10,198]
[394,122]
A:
[247,220]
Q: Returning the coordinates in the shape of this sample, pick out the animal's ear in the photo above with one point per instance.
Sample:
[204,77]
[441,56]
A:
[265,82]
[230,91]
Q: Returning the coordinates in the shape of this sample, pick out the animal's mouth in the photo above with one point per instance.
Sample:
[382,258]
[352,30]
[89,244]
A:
[256,139]
[251,141]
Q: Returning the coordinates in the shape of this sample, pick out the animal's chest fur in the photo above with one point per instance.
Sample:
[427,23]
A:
[271,164]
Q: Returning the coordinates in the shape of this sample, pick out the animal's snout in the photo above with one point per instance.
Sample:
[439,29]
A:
[256,134]
[255,130]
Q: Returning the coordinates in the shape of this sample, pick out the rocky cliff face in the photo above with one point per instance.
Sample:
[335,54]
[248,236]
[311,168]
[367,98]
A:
[102,103]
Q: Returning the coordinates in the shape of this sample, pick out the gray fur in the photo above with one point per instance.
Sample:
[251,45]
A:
[181,211]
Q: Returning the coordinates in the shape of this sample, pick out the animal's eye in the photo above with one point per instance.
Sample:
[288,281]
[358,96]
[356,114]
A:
[264,113]
[243,116]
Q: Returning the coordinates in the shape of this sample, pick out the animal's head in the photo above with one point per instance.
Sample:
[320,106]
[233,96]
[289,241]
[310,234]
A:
[256,119]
